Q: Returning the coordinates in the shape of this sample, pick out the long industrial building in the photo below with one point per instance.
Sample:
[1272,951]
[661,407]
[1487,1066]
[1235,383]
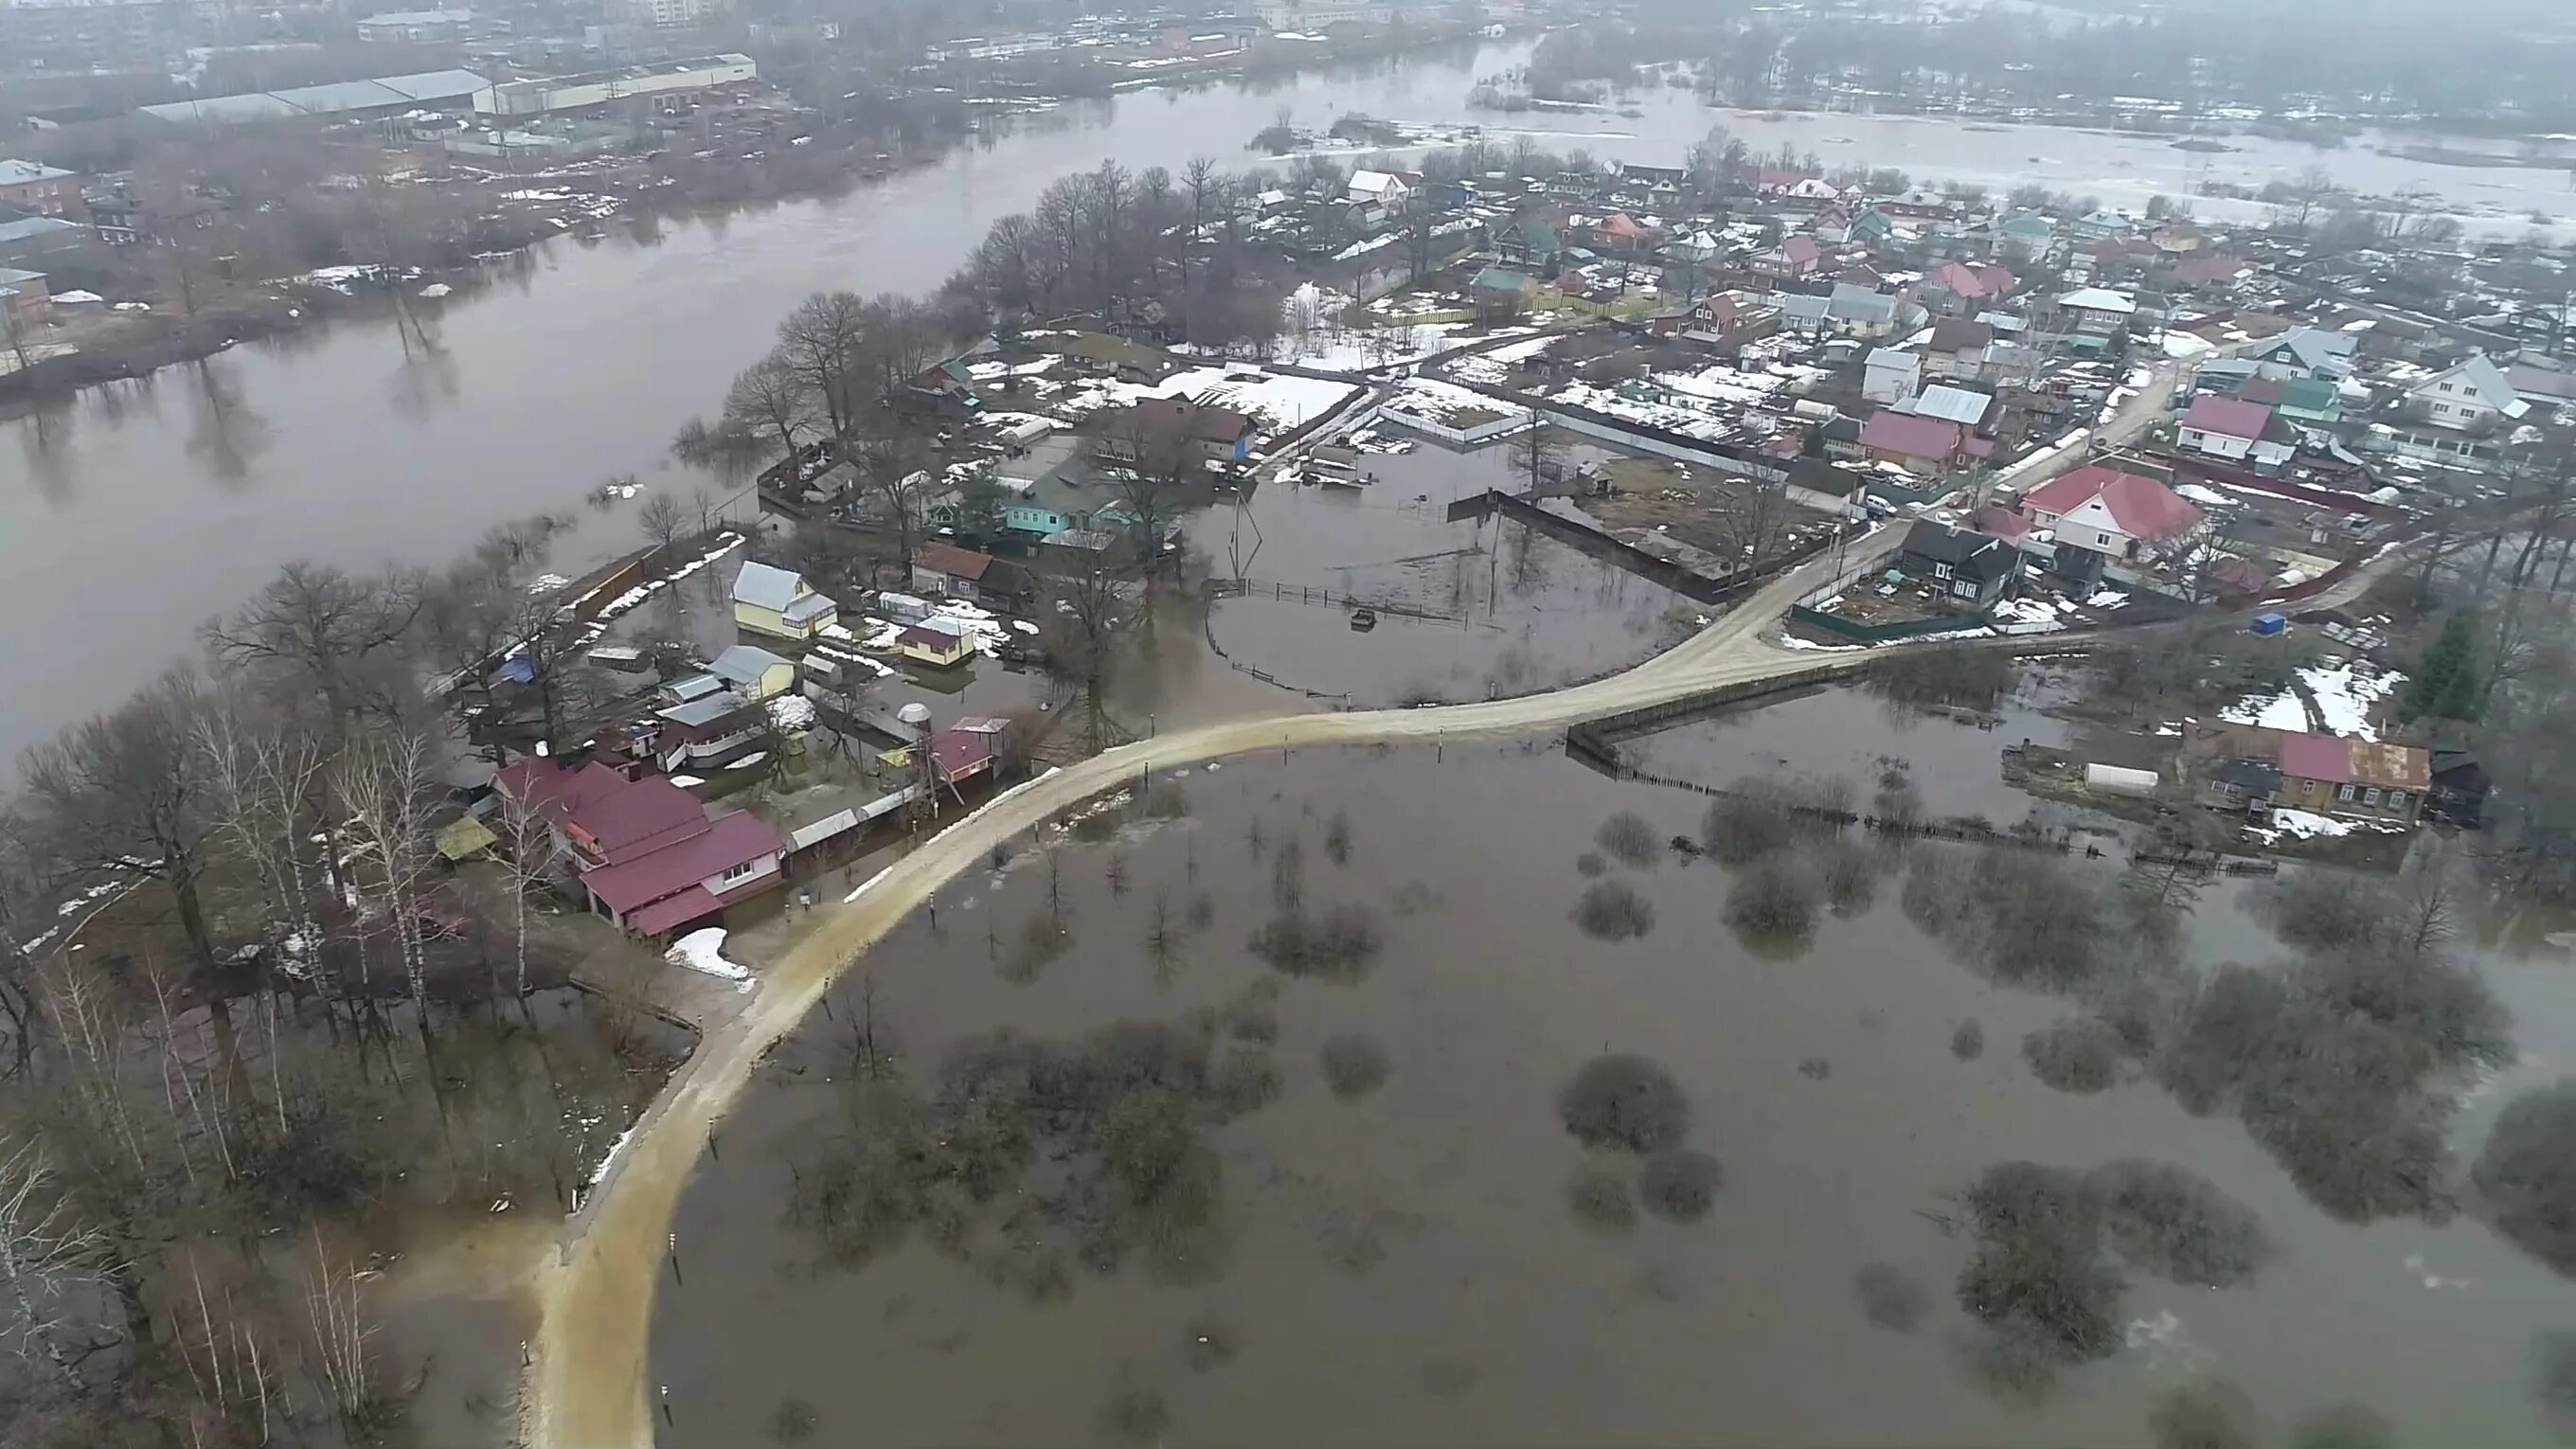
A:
[340,100]
[550,94]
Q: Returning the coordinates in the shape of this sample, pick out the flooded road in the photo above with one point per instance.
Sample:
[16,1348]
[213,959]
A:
[340,446]
[1401,1265]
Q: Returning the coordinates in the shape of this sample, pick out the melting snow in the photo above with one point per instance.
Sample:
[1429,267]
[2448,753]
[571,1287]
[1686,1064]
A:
[703,951]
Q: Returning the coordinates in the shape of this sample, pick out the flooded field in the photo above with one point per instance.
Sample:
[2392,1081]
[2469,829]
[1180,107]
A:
[1453,1103]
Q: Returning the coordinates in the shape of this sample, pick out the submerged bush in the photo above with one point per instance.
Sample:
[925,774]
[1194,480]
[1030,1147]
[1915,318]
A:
[1613,910]
[1848,870]
[2076,1055]
[1598,1199]
[1342,944]
[1624,1102]
[2553,1379]
[1742,827]
[1890,1298]
[1354,1065]
[1590,864]
[2039,1272]
[2527,1174]
[2209,1415]
[1772,905]
[1968,1041]
[1680,1186]
[2175,1223]
[1629,840]
[2344,1426]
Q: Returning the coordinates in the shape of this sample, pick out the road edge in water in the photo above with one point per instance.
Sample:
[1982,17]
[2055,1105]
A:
[587,1384]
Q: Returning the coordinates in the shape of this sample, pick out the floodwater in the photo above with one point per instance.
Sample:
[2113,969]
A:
[1402,1267]
[132,512]
[1475,609]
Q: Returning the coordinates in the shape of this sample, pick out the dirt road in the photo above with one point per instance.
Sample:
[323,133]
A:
[588,1384]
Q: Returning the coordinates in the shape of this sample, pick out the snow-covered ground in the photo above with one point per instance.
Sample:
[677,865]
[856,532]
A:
[1284,401]
[703,952]
[2346,692]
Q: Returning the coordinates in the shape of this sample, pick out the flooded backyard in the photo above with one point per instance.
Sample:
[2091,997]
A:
[1471,609]
[1431,1095]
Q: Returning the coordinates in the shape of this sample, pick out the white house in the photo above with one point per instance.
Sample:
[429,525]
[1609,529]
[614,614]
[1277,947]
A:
[1890,377]
[2471,395]
[2304,352]
[1380,188]
[2117,514]
[2223,427]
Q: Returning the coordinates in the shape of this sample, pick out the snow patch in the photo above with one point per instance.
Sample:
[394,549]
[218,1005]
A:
[703,952]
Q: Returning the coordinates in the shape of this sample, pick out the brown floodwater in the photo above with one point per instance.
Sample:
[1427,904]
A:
[1402,1268]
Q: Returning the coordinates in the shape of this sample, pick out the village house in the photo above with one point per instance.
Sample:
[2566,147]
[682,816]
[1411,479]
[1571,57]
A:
[2090,317]
[1970,570]
[778,602]
[927,643]
[1794,260]
[1963,289]
[1388,189]
[754,672]
[1721,323]
[1166,436]
[943,570]
[1889,377]
[2110,512]
[1499,293]
[2029,237]
[2355,779]
[1929,446]
[2466,397]
[1531,242]
[2312,401]
[23,296]
[41,190]
[644,852]
[1957,350]
[2229,428]
[708,731]
[2303,352]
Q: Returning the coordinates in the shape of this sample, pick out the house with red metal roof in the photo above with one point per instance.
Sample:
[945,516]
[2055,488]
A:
[2332,775]
[2224,427]
[644,851]
[2111,512]
[1923,444]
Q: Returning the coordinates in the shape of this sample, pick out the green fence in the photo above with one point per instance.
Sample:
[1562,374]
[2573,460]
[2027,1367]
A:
[1881,633]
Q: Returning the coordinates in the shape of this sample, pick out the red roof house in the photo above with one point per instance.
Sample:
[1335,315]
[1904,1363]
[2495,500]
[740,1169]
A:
[1923,443]
[2223,427]
[724,860]
[2110,512]
[647,855]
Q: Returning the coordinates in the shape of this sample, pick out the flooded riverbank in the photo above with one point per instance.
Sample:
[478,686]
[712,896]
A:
[1386,1250]
[580,360]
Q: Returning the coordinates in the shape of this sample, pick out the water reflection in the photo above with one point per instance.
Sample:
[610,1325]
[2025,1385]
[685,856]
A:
[45,436]
[225,433]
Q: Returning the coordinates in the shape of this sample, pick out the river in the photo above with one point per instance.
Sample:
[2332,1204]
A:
[131,513]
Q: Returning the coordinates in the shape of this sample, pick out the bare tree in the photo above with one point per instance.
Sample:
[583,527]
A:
[1754,518]
[123,797]
[818,346]
[383,788]
[1537,453]
[663,524]
[318,630]
[769,397]
[54,1265]
[528,866]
